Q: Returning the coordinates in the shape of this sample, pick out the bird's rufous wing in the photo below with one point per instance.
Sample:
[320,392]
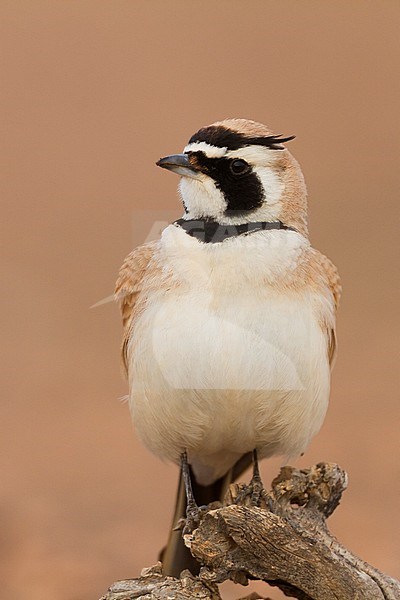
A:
[130,284]
[327,276]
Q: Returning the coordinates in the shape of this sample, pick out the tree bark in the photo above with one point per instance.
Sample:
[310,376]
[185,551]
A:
[284,542]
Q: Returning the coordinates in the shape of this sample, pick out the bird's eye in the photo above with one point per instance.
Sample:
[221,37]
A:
[238,166]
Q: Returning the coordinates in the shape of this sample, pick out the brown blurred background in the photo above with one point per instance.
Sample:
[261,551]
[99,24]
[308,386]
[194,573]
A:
[95,91]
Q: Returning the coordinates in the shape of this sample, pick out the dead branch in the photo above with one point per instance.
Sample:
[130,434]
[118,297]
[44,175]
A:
[285,543]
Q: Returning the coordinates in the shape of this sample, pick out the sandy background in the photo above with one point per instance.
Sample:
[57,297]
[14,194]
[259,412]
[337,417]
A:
[95,92]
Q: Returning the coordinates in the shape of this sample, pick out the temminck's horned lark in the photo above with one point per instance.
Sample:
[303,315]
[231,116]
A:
[229,318]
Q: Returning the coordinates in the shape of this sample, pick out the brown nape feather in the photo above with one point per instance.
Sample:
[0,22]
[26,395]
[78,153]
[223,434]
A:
[294,208]
[176,556]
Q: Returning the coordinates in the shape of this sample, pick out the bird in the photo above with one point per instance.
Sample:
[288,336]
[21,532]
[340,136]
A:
[229,318]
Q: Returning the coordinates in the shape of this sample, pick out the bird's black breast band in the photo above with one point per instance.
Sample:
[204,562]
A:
[209,231]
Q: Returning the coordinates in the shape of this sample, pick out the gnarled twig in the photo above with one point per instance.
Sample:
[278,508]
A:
[285,543]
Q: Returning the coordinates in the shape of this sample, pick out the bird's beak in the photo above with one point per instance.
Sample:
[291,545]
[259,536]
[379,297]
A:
[178,163]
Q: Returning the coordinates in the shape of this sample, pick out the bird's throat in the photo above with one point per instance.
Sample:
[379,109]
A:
[210,231]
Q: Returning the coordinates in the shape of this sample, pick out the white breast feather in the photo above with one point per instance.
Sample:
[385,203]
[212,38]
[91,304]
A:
[226,363]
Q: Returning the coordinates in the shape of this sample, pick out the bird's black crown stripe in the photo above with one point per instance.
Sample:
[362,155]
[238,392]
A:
[223,137]
[209,231]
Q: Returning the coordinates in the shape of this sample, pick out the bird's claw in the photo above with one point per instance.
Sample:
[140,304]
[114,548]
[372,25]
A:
[194,516]
[253,494]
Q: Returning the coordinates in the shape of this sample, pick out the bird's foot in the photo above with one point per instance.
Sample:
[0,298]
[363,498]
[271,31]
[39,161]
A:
[193,512]
[252,494]
[194,515]
[257,491]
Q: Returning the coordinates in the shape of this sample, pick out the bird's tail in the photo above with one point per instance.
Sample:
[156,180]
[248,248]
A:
[176,556]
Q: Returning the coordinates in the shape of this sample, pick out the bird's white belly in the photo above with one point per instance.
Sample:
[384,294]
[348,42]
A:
[220,374]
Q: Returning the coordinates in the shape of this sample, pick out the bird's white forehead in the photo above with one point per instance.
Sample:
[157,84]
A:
[208,149]
[253,154]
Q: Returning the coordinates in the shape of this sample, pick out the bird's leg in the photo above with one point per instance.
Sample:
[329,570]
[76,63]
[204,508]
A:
[255,490]
[192,510]
[190,501]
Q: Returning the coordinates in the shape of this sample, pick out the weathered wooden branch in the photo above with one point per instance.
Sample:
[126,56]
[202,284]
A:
[285,543]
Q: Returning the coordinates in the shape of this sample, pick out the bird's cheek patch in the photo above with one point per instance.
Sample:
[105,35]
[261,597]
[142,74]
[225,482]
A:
[272,184]
[202,198]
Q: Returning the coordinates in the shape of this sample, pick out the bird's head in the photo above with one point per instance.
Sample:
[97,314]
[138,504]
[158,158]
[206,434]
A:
[237,171]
